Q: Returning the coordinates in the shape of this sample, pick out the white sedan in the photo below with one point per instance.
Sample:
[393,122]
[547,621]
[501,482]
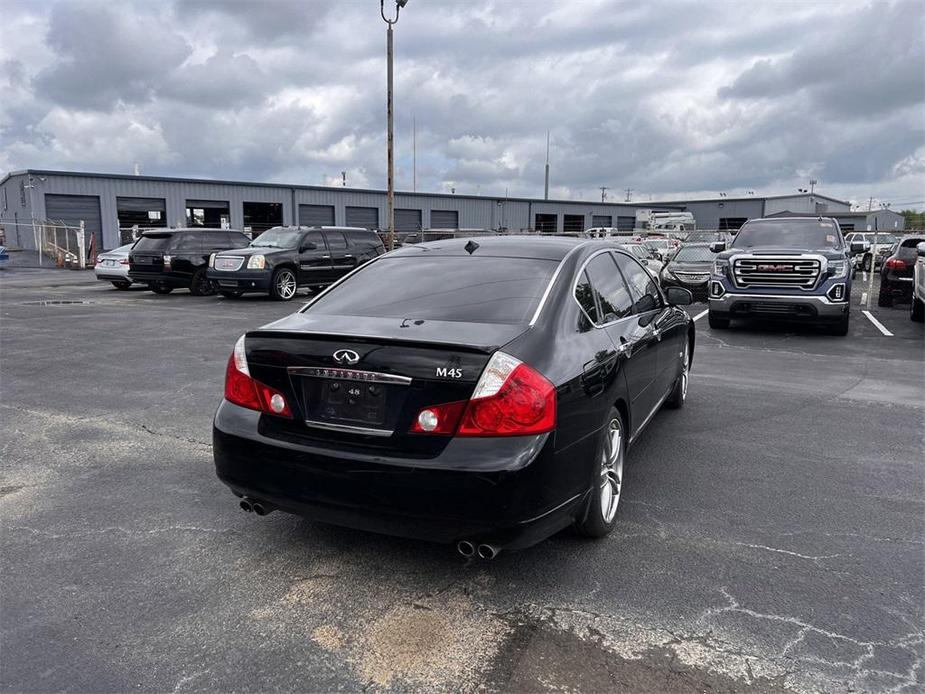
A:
[112,266]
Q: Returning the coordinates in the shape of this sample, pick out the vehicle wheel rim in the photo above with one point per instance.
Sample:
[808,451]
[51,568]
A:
[611,470]
[285,285]
[684,369]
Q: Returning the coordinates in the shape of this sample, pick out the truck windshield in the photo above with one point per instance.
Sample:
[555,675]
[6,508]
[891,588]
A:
[791,233]
[277,238]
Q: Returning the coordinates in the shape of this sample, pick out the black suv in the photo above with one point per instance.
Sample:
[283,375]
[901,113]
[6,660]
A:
[169,259]
[282,259]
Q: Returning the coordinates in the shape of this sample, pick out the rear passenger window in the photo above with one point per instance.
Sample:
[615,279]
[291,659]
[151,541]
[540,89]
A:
[187,242]
[584,294]
[645,293]
[314,237]
[612,294]
[336,241]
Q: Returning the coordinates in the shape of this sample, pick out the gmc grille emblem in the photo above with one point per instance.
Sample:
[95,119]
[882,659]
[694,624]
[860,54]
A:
[774,268]
[346,356]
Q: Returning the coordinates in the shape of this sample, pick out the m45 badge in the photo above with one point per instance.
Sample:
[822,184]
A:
[444,372]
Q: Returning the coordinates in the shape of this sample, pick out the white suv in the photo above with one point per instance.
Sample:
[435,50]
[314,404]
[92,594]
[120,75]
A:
[917,313]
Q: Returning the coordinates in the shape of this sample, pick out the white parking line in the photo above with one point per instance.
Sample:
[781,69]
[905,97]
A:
[864,275]
[877,324]
[863,298]
[701,314]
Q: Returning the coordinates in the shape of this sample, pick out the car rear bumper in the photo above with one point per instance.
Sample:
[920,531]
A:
[159,278]
[242,281]
[514,507]
[813,308]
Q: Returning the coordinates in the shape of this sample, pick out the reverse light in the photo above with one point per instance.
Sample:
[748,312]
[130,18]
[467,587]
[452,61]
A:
[895,264]
[510,399]
[256,262]
[241,389]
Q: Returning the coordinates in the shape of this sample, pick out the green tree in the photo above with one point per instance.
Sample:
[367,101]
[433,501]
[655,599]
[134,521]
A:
[914,219]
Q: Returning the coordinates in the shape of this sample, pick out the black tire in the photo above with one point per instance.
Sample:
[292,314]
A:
[201,285]
[231,293]
[160,288]
[917,312]
[884,300]
[283,286]
[121,284]
[596,522]
[678,394]
[716,322]
[841,327]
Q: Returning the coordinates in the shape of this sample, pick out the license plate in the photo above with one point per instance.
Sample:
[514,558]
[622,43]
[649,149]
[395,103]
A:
[352,401]
[111,263]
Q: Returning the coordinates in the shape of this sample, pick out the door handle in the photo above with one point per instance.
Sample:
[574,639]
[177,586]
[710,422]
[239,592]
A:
[348,256]
[325,257]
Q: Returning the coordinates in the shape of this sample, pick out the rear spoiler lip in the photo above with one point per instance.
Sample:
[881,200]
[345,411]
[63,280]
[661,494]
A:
[348,337]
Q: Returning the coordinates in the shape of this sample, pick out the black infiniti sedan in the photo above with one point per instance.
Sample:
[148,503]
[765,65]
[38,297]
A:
[690,268]
[477,392]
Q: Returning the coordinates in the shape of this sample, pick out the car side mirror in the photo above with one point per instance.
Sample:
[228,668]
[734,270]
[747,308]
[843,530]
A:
[718,246]
[308,246]
[920,250]
[858,247]
[679,296]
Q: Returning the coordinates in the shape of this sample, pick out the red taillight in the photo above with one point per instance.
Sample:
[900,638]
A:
[247,392]
[510,399]
[896,264]
[124,261]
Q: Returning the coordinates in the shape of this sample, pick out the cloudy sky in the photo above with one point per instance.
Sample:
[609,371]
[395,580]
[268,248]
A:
[662,97]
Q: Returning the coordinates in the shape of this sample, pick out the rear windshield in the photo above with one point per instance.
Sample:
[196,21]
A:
[446,288]
[153,243]
[703,236]
[911,243]
[693,254]
[803,233]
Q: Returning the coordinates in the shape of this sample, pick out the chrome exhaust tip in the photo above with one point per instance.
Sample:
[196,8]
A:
[262,508]
[246,505]
[465,548]
[488,551]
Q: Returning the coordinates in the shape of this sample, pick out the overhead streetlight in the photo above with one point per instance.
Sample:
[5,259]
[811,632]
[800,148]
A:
[390,214]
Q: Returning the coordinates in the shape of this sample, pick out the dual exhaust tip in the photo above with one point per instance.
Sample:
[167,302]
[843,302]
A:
[483,551]
[261,508]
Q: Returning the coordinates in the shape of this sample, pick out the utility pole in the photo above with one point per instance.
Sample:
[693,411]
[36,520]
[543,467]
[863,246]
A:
[873,264]
[390,139]
[414,155]
[629,194]
[343,176]
[870,204]
[546,189]
[812,185]
[604,190]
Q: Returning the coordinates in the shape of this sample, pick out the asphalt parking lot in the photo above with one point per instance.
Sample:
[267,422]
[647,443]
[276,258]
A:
[771,535]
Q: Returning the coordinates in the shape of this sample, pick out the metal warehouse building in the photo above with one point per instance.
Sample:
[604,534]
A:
[106,203]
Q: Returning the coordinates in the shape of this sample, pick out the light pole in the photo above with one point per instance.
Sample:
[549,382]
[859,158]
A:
[390,214]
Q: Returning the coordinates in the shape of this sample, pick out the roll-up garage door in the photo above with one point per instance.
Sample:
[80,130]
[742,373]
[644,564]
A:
[602,220]
[365,217]
[316,215]
[72,209]
[407,220]
[144,212]
[626,223]
[444,219]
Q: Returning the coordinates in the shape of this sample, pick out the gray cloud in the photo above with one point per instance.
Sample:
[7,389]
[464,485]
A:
[661,97]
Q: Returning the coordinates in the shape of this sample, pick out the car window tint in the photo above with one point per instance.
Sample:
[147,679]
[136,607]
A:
[314,237]
[153,243]
[642,286]
[477,289]
[336,241]
[584,294]
[187,242]
[238,240]
[611,290]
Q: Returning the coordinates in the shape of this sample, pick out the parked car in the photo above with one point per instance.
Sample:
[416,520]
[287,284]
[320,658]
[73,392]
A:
[662,247]
[112,266]
[708,237]
[690,268]
[169,259]
[793,268]
[425,235]
[649,260]
[282,259]
[4,257]
[917,312]
[897,273]
[410,399]
[865,258]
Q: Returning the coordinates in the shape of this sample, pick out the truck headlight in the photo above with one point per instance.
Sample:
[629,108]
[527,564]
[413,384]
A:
[212,260]
[838,268]
[256,262]
[720,265]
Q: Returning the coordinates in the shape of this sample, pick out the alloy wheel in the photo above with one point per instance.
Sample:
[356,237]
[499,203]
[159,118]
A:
[285,285]
[611,470]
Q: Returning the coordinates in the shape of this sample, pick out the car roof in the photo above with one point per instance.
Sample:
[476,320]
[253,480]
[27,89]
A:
[505,246]
[169,230]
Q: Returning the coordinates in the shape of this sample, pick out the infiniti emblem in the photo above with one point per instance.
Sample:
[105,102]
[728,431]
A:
[346,356]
